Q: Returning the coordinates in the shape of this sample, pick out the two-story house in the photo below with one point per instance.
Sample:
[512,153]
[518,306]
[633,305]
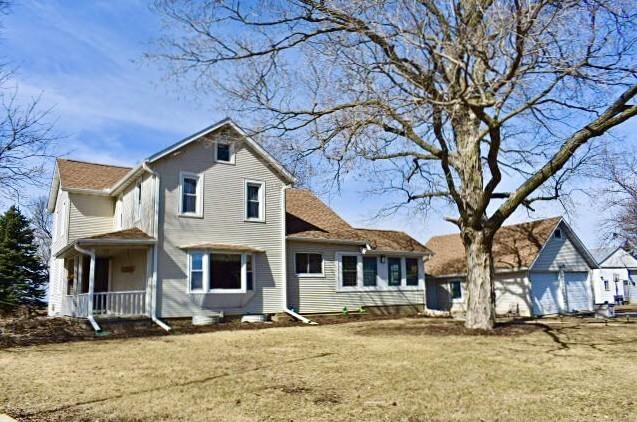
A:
[213,223]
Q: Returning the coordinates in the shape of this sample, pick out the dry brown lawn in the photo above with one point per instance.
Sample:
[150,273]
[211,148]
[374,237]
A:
[406,369]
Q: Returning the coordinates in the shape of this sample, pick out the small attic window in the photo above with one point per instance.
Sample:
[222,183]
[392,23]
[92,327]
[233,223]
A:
[557,234]
[224,152]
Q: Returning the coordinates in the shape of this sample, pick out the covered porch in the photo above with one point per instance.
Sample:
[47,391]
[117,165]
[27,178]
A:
[108,275]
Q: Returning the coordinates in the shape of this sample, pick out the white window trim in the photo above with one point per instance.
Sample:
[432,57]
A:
[461,298]
[261,183]
[206,273]
[309,275]
[137,206]
[382,284]
[200,181]
[232,152]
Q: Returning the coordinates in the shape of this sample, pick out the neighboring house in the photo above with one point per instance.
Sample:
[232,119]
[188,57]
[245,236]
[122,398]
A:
[616,276]
[541,268]
[201,226]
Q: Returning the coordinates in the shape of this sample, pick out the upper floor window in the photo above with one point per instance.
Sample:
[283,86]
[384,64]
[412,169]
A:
[558,234]
[138,199]
[224,152]
[254,197]
[191,203]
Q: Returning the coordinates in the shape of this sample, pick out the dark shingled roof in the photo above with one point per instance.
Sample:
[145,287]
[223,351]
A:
[514,247]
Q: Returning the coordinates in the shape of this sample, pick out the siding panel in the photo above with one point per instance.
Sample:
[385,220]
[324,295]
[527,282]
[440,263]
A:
[222,222]
[560,253]
[318,294]
[90,215]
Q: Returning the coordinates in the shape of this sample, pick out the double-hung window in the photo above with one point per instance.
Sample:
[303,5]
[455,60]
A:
[138,199]
[606,286]
[221,272]
[196,271]
[411,268]
[254,197]
[394,272]
[309,264]
[349,270]
[370,271]
[191,202]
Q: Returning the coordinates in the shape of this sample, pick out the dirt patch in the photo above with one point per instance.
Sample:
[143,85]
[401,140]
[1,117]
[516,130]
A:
[328,398]
[448,328]
[39,330]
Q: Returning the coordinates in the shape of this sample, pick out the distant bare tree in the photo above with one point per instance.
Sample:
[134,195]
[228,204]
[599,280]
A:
[620,193]
[41,221]
[487,105]
[25,135]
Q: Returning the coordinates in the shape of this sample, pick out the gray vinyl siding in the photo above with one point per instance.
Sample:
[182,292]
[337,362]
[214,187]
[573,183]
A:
[56,266]
[560,253]
[126,215]
[90,215]
[222,222]
[319,294]
[512,294]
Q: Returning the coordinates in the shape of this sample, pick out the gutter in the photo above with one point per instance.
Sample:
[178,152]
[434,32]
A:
[91,285]
[153,284]
[333,241]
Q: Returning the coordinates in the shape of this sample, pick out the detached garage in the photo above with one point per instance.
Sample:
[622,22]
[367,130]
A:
[542,268]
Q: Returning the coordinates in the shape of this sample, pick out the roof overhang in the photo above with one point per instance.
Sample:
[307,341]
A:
[397,252]
[497,271]
[333,241]
[225,247]
[592,262]
[96,243]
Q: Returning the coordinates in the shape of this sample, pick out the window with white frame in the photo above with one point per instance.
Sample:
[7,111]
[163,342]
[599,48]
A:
[221,272]
[138,199]
[606,286]
[455,287]
[308,264]
[394,272]
[191,202]
[349,270]
[411,270]
[224,152]
[196,271]
[370,271]
[254,197]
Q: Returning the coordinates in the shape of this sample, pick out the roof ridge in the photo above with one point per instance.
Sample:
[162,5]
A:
[503,227]
[92,163]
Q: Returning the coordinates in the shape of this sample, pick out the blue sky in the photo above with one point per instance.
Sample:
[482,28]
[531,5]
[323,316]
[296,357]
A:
[86,60]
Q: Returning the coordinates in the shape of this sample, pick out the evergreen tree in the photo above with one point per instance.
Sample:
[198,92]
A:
[22,275]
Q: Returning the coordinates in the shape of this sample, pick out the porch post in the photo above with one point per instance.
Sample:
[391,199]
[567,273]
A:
[79,264]
[91,283]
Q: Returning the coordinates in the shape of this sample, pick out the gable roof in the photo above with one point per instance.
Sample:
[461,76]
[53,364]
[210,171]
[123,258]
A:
[227,122]
[514,247]
[308,218]
[84,175]
[602,254]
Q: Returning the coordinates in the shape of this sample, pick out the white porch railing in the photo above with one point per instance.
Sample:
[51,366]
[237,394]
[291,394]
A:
[126,303]
[120,303]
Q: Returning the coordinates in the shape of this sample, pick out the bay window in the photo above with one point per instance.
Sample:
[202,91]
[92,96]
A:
[220,272]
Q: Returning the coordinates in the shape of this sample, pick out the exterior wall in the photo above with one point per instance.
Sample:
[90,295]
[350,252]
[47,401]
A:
[89,215]
[124,280]
[56,266]
[129,214]
[599,275]
[317,294]
[512,294]
[560,254]
[222,222]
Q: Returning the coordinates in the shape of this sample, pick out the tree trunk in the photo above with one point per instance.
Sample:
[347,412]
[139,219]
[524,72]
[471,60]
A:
[480,292]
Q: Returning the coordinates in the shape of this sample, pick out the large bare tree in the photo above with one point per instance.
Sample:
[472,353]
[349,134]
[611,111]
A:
[483,104]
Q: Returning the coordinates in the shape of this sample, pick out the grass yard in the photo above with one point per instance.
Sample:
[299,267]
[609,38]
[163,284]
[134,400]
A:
[405,369]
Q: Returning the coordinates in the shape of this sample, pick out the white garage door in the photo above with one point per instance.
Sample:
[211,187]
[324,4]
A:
[545,289]
[578,292]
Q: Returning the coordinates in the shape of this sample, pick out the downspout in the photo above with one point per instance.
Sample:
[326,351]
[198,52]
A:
[153,284]
[284,253]
[91,253]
